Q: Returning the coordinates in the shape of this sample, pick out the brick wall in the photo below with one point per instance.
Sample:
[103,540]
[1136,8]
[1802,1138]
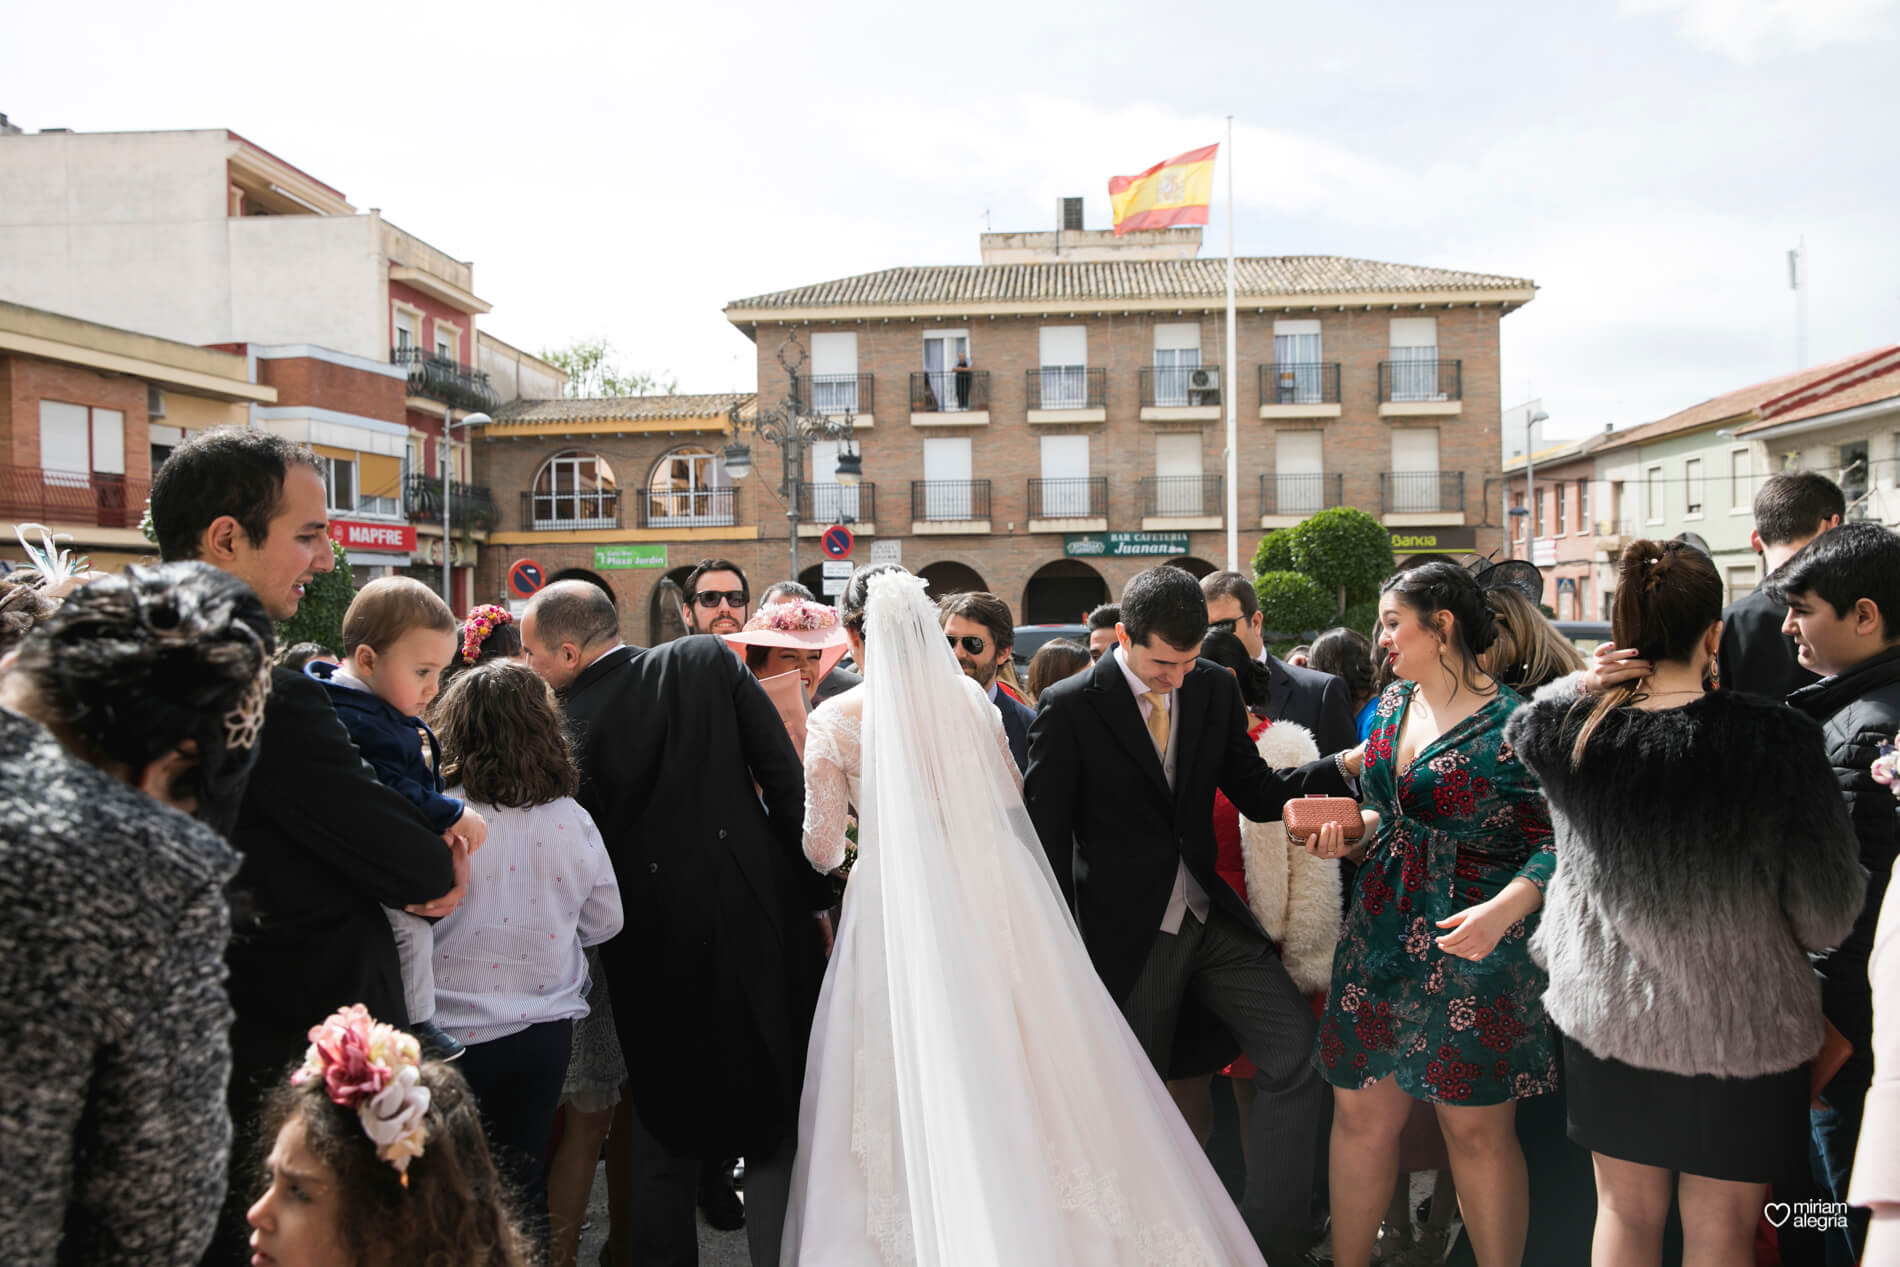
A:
[302,380]
[29,380]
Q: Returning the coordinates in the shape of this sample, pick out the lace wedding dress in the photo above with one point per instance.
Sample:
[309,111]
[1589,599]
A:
[972,1095]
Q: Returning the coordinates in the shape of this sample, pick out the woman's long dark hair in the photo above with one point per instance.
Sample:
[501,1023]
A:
[1228,651]
[502,737]
[1668,593]
[1347,654]
[1447,587]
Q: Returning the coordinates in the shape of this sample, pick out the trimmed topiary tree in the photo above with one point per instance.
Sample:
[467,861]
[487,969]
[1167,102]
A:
[1275,553]
[319,615]
[1345,551]
[1291,603]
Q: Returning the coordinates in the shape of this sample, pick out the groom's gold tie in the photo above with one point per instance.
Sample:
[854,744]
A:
[1158,722]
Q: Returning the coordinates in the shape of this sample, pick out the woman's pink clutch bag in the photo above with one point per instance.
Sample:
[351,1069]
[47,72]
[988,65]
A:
[1305,815]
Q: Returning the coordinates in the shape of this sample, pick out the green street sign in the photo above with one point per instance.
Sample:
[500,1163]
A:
[622,557]
[1124,545]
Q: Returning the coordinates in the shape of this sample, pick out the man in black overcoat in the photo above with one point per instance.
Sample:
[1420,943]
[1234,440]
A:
[699,795]
[1123,764]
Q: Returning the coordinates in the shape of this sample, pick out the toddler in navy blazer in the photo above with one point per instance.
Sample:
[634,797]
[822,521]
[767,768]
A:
[397,638]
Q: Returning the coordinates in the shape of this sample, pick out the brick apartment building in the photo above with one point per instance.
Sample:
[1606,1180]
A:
[365,333]
[1086,440]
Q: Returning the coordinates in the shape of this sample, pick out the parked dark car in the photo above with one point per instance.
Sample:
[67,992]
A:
[1584,634]
[1029,640]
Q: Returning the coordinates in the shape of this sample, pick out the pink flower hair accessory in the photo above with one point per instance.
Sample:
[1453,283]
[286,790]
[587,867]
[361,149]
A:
[482,621]
[374,1070]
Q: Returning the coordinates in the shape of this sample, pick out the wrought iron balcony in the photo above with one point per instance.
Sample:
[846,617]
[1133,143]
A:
[1420,381]
[1180,496]
[949,391]
[839,503]
[1079,497]
[835,393]
[561,512]
[1067,387]
[439,378]
[1411,491]
[687,508]
[470,505]
[93,499]
[1179,386]
[1301,494]
[1300,383]
[949,500]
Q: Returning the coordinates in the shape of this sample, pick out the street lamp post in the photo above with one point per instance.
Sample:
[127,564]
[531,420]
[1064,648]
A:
[448,469]
[1530,483]
[792,426]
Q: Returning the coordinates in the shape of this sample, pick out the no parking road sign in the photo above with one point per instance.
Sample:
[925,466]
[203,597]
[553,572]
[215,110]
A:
[838,541]
[525,577]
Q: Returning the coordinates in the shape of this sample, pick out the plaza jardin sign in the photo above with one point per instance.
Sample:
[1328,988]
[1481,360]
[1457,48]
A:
[621,557]
[1123,545]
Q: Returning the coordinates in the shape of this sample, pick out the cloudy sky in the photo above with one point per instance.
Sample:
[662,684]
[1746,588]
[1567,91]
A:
[624,170]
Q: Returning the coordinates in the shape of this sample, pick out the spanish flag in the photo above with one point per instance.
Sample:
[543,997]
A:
[1176,191]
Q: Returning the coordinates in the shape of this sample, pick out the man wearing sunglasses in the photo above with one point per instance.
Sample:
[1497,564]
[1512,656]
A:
[715,597]
[981,633]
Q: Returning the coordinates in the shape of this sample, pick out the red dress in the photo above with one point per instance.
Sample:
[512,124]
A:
[1232,867]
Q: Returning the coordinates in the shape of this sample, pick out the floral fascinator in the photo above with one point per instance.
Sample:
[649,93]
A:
[375,1070]
[481,622]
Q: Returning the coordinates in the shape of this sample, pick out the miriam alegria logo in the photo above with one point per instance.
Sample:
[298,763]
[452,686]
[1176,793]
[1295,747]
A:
[1818,1215]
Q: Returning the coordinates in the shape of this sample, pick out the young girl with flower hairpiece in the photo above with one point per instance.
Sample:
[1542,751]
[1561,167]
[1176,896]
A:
[489,633]
[377,1159]
[510,972]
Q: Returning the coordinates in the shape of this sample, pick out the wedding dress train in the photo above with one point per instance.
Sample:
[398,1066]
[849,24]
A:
[972,1096]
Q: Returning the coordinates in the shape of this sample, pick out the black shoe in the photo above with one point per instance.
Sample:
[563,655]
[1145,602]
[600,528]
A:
[722,1207]
[738,1174]
[435,1043]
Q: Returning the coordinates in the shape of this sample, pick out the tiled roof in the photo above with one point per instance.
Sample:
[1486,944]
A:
[950,286]
[1870,380]
[1746,403]
[621,408]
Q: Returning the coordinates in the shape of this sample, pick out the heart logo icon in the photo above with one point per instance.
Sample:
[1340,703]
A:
[1777,1212]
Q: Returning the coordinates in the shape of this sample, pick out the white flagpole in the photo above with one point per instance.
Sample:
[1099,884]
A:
[1230,369]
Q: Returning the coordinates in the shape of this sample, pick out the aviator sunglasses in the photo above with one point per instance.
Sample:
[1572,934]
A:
[712,598]
[971,643]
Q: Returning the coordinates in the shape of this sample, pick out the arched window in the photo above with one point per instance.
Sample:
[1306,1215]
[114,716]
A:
[688,487]
[576,490]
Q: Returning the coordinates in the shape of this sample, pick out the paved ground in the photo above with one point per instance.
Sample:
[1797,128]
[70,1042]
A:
[716,1249]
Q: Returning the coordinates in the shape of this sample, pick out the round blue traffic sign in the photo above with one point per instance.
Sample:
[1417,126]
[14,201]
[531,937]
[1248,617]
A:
[838,541]
[525,577]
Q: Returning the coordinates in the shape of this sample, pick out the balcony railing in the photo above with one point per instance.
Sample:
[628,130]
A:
[439,378]
[949,499]
[1077,497]
[1301,493]
[836,393]
[1067,387]
[1300,383]
[1179,386]
[1180,496]
[559,512]
[1414,381]
[949,391]
[687,508]
[1407,491]
[470,505]
[839,503]
[71,497]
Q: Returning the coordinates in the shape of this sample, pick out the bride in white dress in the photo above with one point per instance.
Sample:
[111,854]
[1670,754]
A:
[973,1097]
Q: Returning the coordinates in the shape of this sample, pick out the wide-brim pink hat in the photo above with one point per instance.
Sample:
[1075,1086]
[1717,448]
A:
[800,624]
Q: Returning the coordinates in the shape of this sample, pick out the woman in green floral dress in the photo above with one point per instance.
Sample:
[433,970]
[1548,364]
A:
[1434,996]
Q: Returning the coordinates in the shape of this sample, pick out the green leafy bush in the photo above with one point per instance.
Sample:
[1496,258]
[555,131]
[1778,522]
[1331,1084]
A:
[1290,603]
[1275,553]
[1345,551]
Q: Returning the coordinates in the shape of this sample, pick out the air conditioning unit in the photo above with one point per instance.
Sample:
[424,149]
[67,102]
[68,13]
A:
[155,402]
[1204,381]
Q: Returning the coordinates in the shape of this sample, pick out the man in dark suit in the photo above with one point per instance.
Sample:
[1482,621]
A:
[716,974]
[325,846]
[1315,700]
[1123,764]
[981,633]
[1754,655]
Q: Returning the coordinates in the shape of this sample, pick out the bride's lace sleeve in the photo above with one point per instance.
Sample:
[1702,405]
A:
[827,790]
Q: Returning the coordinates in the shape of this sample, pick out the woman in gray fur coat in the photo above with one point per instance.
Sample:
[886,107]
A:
[1704,854]
[138,699]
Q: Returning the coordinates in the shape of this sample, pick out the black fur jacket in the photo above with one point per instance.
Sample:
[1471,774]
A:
[1703,853]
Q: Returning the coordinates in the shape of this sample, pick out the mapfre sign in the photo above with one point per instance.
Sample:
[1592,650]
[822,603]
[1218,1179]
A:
[353,534]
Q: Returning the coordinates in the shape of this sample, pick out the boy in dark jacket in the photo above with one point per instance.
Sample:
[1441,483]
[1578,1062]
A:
[397,638]
[1842,591]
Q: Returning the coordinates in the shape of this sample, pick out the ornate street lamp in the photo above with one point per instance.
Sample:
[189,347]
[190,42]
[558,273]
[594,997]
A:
[792,426]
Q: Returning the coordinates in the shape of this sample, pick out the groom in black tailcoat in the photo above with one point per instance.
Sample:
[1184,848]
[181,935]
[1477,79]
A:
[1123,763]
[715,975]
